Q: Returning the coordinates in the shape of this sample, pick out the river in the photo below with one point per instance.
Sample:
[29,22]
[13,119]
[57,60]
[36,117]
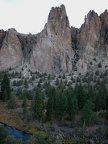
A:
[17,133]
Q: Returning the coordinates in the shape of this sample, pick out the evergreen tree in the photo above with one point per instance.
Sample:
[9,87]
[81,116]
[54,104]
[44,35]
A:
[19,93]
[101,97]
[38,105]
[72,105]
[90,93]
[11,101]
[87,112]
[24,105]
[5,88]
[26,83]
[80,95]
[50,107]
[61,105]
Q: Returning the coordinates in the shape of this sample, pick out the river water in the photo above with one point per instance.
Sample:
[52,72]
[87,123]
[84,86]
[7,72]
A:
[17,133]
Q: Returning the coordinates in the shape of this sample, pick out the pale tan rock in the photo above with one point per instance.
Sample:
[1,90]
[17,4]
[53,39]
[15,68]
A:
[10,52]
[53,52]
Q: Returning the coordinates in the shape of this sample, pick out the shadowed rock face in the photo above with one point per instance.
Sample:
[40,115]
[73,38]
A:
[91,40]
[2,36]
[58,48]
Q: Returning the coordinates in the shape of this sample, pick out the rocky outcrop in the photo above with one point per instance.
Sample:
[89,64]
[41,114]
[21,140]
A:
[91,41]
[58,48]
[52,52]
[10,51]
[2,36]
[49,51]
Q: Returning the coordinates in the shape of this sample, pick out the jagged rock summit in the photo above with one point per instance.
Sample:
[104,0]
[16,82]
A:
[58,48]
[91,41]
[49,51]
[53,52]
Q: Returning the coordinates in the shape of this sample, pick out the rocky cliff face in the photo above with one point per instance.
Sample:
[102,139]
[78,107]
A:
[58,48]
[52,52]
[10,50]
[91,42]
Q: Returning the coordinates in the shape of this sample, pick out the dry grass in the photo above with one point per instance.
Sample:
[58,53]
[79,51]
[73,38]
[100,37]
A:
[14,118]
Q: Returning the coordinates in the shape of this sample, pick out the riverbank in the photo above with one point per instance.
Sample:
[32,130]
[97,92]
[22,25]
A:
[14,118]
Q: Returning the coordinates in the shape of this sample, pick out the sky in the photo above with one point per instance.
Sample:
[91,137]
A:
[30,16]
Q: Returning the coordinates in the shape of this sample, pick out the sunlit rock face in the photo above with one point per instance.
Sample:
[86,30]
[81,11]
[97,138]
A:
[53,53]
[10,50]
[91,40]
[58,48]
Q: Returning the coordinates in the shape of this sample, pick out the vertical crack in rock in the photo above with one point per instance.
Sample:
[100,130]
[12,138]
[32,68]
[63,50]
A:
[58,48]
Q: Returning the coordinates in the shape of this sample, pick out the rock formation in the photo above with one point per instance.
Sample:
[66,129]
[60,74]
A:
[10,50]
[58,48]
[91,43]
[52,52]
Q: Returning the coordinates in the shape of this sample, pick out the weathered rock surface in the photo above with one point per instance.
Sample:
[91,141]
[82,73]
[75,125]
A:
[58,48]
[2,36]
[53,53]
[10,51]
[49,51]
[91,41]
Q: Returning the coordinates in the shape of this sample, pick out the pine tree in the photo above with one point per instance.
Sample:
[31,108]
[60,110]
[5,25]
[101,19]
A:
[5,88]
[11,101]
[38,105]
[50,107]
[24,105]
[87,112]
[80,94]
[101,97]
[61,105]
[72,105]
[26,83]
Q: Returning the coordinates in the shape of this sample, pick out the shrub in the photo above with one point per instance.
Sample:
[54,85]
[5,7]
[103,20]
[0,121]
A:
[97,73]
[99,65]
[3,134]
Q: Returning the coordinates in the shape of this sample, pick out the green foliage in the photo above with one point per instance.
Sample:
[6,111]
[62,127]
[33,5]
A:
[106,115]
[26,83]
[11,102]
[72,105]
[33,78]
[87,112]
[41,138]
[61,104]
[19,93]
[97,73]
[63,107]
[50,107]
[5,88]
[24,105]
[38,105]
[80,95]
[57,81]
[101,97]
[99,65]
[11,140]
[3,134]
